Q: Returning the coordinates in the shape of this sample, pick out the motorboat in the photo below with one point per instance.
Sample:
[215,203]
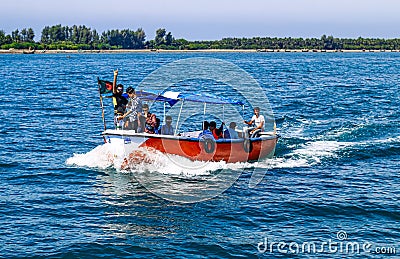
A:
[188,142]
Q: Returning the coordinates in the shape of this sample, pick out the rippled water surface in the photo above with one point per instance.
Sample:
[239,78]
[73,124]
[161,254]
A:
[335,175]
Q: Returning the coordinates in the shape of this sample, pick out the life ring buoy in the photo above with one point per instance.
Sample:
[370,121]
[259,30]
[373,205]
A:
[209,145]
[247,145]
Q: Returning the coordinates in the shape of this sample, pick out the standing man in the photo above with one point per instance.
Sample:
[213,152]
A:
[134,111]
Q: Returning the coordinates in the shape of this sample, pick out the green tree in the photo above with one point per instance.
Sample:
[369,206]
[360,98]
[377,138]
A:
[15,35]
[30,35]
[169,39]
[45,38]
[57,33]
[74,37]
[24,34]
[85,35]
[140,38]
[95,38]
[2,37]
[159,39]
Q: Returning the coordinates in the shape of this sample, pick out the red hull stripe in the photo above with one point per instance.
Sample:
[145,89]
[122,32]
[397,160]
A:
[225,150]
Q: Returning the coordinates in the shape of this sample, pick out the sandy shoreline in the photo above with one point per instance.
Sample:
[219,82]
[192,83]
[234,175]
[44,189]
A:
[20,51]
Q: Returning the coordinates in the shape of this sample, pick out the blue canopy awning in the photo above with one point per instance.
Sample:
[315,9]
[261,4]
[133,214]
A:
[149,96]
[173,97]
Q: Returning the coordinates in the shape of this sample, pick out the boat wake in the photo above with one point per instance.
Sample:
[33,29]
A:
[100,157]
[295,152]
[148,160]
[346,141]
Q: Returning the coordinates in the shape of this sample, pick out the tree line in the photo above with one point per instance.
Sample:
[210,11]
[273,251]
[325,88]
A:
[82,37]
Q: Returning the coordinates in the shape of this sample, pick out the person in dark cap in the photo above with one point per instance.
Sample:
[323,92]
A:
[120,103]
[206,132]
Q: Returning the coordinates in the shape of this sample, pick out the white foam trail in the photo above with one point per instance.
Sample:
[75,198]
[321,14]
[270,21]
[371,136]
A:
[306,155]
[382,141]
[279,162]
[151,161]
[312,152]
[177,165]
[100,157]
[319,149]
[155,161]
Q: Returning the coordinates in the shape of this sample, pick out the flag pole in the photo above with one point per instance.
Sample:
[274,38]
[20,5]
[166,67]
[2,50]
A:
[102,111]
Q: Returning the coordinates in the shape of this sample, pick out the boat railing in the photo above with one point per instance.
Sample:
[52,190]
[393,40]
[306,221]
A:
[193,135]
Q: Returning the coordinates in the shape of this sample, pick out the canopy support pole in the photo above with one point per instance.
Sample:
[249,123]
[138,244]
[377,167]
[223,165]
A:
[164,115]
[223,113]
[179,117]
[204,115]
[223,119]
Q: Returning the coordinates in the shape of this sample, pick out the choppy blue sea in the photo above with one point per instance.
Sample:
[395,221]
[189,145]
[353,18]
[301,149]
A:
[332,187]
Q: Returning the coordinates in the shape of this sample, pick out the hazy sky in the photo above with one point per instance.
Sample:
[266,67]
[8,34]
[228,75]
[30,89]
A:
[212,19]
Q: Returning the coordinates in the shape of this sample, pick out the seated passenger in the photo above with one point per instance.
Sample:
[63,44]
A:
[167,129]
[231,133]
[217,133]
[258,120]
[157,128]
[150,120]
[206,133]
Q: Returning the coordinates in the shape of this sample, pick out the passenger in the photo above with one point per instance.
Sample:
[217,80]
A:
[206,133]
[258,120]
[157,129]
[120,103]
[149,120]
[217,133]
[167,129]
[134,111]
[231,133]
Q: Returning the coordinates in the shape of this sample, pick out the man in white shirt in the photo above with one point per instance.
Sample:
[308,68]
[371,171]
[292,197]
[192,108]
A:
[258,120]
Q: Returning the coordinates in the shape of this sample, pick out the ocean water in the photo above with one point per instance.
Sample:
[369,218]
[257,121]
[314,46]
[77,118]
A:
[332,187]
